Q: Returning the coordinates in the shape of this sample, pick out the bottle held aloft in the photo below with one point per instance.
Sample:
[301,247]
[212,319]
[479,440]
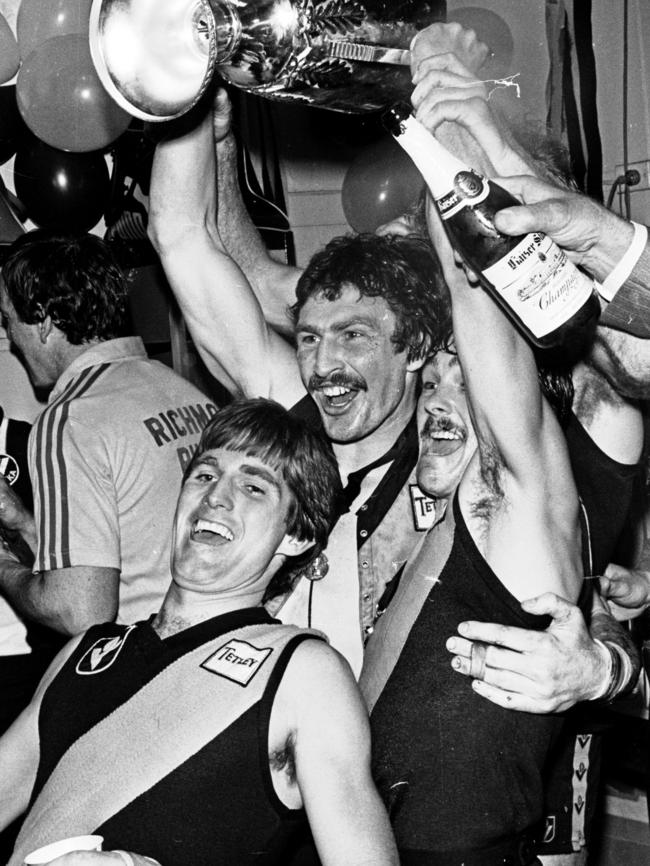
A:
[552,302]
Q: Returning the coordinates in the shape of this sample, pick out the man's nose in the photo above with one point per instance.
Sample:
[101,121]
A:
[438,402]
[220,494]
[328,357]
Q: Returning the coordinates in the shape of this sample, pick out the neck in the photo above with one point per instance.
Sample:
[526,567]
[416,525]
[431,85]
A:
[182,608]
[352,456]
[69,352]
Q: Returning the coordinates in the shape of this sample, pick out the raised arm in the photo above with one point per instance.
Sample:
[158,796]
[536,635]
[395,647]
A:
[332,760]
[274,283]
[217,302]
[518,494]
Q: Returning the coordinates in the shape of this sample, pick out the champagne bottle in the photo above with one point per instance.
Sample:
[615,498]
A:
[551,301]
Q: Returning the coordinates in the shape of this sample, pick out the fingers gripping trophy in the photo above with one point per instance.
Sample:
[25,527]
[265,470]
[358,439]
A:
[157,57]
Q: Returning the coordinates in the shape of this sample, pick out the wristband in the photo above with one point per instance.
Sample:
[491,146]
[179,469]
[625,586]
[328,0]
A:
[618,674]
[613,282]
[607,674]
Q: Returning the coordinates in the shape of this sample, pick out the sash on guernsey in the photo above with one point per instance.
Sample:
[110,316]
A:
[393,627]
[166,722]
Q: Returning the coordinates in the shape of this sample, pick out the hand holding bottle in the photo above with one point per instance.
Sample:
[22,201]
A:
[531,279]
[593,236]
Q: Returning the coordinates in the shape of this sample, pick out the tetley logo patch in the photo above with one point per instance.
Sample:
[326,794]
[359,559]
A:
[101,654]
[237,660]
[423,507]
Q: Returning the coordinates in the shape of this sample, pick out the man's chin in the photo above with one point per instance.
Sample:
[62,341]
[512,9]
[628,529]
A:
[341,430]
[437,482]
[341,423]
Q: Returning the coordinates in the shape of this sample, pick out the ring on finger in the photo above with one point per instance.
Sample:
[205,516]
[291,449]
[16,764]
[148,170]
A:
[477,662]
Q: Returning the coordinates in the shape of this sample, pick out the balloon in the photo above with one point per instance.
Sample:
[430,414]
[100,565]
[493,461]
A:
[60,190]
[380,184]
[12,126]
[9,58]
[39,21]
[62,99]
[493,30]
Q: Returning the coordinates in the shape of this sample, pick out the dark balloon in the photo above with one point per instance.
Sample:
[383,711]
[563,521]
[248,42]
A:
[63,101]
[39,21]
[12,126]
[380,185]
[9,58]
[493,30]
[60,190]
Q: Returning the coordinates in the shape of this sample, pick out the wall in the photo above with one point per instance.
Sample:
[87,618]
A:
[608,47]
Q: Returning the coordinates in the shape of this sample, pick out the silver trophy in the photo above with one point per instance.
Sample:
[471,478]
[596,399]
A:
[157,57]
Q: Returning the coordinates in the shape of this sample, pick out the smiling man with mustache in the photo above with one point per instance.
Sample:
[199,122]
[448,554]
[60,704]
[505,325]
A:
[368,309]
[462,780]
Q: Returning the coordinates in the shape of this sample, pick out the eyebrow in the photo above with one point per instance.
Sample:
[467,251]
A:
[246,468]
[261,472]
[368,321]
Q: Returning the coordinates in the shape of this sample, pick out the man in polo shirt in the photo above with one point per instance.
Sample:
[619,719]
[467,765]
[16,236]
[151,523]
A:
[107,454]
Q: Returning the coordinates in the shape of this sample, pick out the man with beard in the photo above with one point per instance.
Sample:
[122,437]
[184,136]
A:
[462,778]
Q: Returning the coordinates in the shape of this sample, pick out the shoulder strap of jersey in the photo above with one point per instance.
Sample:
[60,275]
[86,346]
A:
[387,641]
[167,721]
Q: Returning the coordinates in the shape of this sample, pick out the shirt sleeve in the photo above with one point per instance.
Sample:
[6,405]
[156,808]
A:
[75,503]
[629,310]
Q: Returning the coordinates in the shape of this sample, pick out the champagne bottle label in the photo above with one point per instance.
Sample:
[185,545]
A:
[470,188]
[539,283]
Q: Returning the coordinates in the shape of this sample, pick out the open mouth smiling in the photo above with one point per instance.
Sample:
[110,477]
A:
[441,442]
[209,531]
[338,395]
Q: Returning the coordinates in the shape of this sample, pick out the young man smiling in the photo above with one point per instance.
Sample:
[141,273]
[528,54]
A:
[199,736]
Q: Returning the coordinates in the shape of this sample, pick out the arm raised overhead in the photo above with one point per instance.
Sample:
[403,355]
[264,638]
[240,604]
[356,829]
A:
[222,312]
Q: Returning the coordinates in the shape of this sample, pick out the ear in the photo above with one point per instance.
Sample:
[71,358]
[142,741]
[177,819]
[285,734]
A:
[45,327]
[291,546]
[417,363]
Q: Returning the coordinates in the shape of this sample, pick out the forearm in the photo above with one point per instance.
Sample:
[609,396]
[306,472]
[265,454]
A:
[507,409]
[272,282]
[28,594]
[68,600]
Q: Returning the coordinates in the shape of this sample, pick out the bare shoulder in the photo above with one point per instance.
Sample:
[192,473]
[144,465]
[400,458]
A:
[315,665]
[624,360]
[613,421]
[318,682]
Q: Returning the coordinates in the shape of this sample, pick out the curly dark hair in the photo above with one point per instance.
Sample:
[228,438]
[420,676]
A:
[74,279]
[304,457]
[404,271]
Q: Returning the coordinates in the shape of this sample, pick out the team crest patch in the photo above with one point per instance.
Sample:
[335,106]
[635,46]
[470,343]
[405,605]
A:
[424,509]
[101,654]
[9,468]
[237,660]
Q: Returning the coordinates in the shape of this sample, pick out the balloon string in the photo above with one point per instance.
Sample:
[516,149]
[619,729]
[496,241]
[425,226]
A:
[499,84]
